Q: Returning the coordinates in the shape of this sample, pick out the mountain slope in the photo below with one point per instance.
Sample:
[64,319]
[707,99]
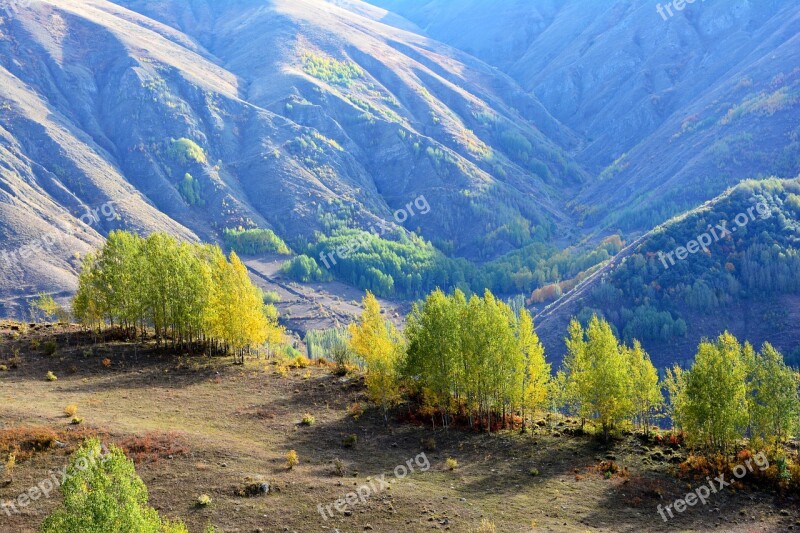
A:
[342,121]
[743,277]
[667,108]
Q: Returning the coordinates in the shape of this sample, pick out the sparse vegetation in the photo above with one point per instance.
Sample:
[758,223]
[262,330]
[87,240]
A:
[185,151]
[292,459]
[330,70]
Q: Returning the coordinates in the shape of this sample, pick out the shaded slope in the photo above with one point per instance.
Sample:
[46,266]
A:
[649,96]
[745,280]
[94,97]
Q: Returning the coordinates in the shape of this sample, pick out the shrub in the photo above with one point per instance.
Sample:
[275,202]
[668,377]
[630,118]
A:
[9,466]
[339,468]
[103,493]
[272,297]
[429,444]
[76,421]
[186,151]
[3,368]
[301,361]
[71,410]
[451,464]
[51,377]
[50,348]
[107,362]
[153,445]
[356,410]
[350,441]
[204,500]
[292,459]
[534,472]
[308,420]
[486,526]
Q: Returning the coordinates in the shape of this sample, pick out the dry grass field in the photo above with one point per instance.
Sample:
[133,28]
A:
[198,426]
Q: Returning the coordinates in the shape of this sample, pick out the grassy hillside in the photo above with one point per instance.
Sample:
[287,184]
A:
[670,112]
[164,411]
[745,279]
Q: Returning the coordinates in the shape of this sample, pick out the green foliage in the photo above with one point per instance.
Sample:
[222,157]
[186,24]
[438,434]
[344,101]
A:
[330,70]
[600,383]
[332,344]
[645,300]
[102,493]
[254,241]
[190,190]
[712,407]
[185,151]
[408,267]
[189,293]
[476,353]
[304,269]
[773,402]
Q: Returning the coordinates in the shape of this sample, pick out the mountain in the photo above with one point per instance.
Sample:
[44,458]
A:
[732,264]
[670,112]
[517,148]
[293,116]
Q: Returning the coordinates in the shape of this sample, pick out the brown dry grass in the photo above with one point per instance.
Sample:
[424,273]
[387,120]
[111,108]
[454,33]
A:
[204,426]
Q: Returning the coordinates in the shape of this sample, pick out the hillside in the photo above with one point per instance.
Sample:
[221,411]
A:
[177,114]
[514,149]
[744,280]
[165,411]
[670,112]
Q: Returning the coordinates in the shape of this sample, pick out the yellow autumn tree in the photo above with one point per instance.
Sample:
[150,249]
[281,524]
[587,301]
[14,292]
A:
[236,312]
[380,346]
[536,378]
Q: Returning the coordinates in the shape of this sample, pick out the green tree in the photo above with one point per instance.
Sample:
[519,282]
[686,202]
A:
[773,402]
[599,377]
[433,362]
[102,493]
[713,403]
[645,389]
[674,384]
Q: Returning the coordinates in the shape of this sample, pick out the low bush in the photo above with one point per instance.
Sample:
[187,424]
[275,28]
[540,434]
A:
[292,459]
[102,492]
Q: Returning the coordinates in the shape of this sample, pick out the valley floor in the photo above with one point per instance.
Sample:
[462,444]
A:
[204,426]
